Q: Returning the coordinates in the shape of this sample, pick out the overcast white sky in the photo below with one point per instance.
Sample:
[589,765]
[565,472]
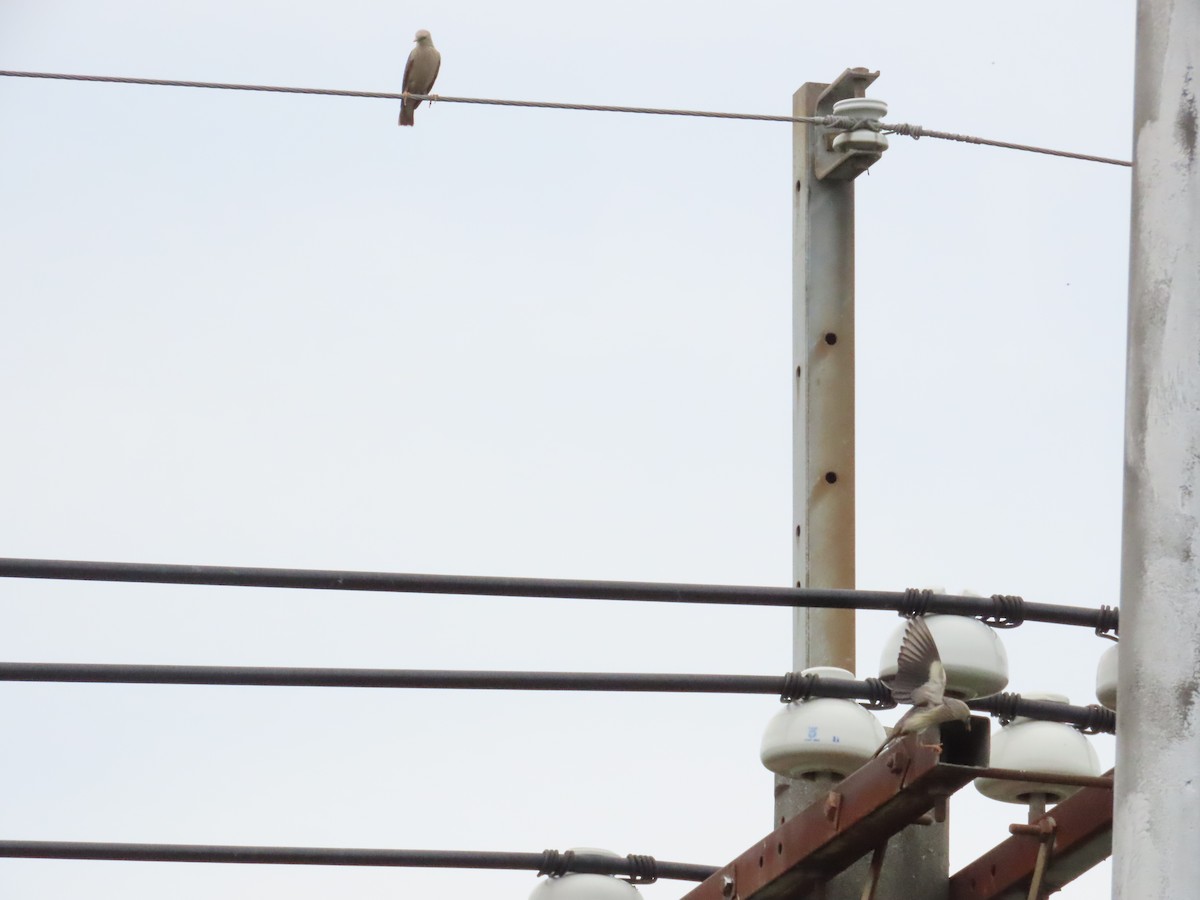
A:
[255,329]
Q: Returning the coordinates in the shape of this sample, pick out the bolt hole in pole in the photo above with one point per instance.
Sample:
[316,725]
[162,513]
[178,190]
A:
[831,477]
[830,338]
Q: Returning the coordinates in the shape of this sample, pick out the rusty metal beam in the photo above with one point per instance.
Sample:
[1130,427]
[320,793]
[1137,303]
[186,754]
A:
[861,812]
[1082,838]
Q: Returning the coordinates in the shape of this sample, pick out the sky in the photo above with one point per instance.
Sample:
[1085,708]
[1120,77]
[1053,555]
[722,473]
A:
[271,330]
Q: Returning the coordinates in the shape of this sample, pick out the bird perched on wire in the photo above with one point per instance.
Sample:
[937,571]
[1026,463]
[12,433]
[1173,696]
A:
[921,681]
[420,72]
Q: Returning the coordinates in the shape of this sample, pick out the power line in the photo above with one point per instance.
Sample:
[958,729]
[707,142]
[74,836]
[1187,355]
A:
[792,686]
[998,610]
[436,679]
[918,131]
[840,122]
[644,869]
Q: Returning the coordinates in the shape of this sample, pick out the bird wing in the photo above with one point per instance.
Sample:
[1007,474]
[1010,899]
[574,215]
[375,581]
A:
[408,68]
[920,675]
[421,70]
[437,67]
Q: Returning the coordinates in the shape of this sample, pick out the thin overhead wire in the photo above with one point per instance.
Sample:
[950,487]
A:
[634,866]
[998,610]
[787,687]
[837,122]
[918,131]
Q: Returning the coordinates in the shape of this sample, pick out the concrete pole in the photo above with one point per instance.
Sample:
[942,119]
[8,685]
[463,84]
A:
[823,392]
[917,860]
[1157,801]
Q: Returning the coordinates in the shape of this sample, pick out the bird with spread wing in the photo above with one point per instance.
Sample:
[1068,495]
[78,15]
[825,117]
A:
[921,681]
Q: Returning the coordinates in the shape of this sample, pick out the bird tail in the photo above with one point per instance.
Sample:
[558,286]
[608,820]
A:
[406,114]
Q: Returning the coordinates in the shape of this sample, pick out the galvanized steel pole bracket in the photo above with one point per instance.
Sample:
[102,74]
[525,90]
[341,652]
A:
[868,806]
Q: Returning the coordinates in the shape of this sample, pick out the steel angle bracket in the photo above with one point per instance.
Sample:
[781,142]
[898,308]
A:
[829,164]
[1082,838]
[862,811]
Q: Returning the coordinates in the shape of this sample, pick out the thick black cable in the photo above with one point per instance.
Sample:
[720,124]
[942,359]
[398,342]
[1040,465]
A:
[339,856]
[792,686]
[561,588]
[1008,706]
[435,679]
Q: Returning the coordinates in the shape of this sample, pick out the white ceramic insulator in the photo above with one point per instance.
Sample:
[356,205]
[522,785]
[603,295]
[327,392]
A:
[1036,746]
[975,661]
[868,109]
[821,735]
[1106,678]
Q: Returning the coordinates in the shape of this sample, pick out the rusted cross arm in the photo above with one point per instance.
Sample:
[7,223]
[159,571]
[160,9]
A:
[1082,837]
[863,811]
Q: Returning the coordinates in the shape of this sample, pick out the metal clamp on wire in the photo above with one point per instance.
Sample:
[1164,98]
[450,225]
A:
[644,869]
[1109,621]
[1008,612]
[556,864]
[797,686]
[880,696]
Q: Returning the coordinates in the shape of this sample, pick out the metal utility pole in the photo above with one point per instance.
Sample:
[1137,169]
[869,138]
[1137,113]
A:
[823,481]
[1158,733]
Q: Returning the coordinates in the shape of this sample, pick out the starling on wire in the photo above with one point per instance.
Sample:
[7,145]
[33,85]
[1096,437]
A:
[921,681]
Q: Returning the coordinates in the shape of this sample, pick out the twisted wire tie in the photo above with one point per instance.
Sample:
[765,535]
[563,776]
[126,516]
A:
[1109,621]
[881,696]
[797,686]
[556,864]
[645,869]
[1009,611]
[1100,720]
[1006,706]
[915,602]
[905,130]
